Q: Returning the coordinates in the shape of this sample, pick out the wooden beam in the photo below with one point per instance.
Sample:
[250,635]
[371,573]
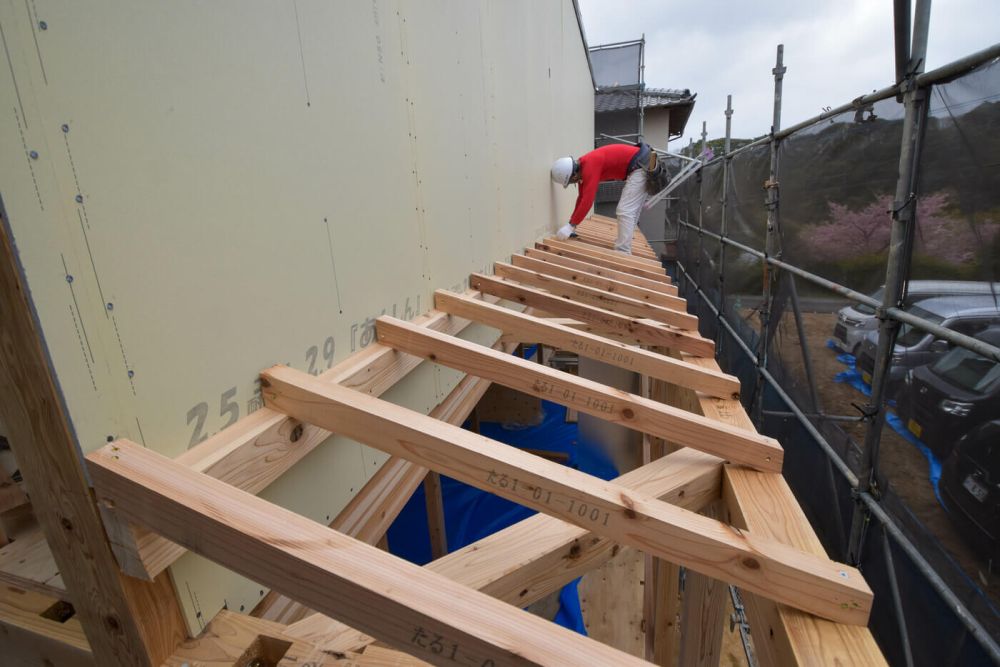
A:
[644,331]
[27,563]
[28,638]
[567,289]
[614,405]
[765,505]
[535,557]
[607,285]
[607,242]
[613,255]
[119,630]
[376,505]
[529,328]
[435,515]
[406,606]
[262,446]
[579,252]
[716,549]
[604,272]
[703,617]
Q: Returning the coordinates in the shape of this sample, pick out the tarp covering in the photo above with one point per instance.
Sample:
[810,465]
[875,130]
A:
[471,514]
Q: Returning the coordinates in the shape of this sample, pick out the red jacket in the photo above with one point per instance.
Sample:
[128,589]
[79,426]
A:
[607,163]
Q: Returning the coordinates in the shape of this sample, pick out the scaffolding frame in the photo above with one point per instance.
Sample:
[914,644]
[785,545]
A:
[911,89]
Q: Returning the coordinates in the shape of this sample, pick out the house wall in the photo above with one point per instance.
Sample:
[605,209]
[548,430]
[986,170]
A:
[198,191]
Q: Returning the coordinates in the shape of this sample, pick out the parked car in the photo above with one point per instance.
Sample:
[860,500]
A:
[969,315]
[855,321]
[970,488]
[949,398]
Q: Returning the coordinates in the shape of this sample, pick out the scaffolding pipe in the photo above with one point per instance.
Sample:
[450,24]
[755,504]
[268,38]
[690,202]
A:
[974,627]
[938,75]
[978,632]
[961,340]
[772,240]
[724,222]
[904,220]
[824,445]
[897,599]
[901,23]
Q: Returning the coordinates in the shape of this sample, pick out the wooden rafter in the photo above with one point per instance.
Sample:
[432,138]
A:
[808,582]
[401,604]
[764,504]
[572,291]
[606,285]
[376,505]
[635,412]
[529,328]
[645,331]
[536,556]
[602,271]
[262,446]
[580,252]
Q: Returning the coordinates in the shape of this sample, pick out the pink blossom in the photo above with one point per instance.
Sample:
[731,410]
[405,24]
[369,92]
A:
[941,233]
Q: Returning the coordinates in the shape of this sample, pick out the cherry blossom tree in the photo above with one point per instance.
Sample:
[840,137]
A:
[852,233]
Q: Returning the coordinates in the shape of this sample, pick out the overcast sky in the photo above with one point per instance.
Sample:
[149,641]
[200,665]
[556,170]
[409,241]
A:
[835,50]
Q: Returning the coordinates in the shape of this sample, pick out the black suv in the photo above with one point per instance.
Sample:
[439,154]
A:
[970,488]
[945,400]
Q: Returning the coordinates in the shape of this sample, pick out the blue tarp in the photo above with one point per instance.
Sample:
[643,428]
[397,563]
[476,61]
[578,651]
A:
[471,514]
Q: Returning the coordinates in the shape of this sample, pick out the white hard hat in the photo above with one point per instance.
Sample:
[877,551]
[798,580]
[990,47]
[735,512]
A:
[562,171]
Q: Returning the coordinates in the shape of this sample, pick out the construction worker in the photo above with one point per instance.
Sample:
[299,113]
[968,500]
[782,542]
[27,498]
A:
[614,162]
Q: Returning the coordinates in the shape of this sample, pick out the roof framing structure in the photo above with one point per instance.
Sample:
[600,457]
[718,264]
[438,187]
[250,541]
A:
[710,496]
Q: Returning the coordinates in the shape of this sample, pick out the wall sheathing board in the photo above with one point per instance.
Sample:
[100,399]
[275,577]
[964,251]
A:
[200,190]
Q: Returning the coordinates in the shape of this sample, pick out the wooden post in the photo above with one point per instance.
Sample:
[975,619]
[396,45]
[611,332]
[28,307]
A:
[127,622]
[435,515]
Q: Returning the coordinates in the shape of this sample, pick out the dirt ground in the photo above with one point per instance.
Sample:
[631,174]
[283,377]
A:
[906,468]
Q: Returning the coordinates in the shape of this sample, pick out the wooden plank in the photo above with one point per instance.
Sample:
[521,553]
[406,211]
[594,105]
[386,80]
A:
[607,242]
[703,616]
[259,448]
[613,255]
[645,331]
[535,329]
[376,505]
[579,253]
[572,291]
[716,549]
[765,505]
[435,515]
[232,639]
[604,272]
[28,639]
[11,493]
[406,606]
[41,437]
[605,284]
[666,629]
[535,557]
[611,602]
[614,405]
[606,238]
[27,563]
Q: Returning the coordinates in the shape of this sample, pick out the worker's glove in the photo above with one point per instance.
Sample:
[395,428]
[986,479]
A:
[565,232]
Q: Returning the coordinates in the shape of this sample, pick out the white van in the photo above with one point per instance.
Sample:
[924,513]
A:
[855,321]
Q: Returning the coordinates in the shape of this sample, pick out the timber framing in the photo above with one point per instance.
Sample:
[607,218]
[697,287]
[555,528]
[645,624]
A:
[334,593]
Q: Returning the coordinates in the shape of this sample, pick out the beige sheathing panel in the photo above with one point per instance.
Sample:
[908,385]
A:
[223,186]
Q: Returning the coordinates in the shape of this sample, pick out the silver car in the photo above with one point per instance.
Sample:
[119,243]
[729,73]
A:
[969,315]
[855,321]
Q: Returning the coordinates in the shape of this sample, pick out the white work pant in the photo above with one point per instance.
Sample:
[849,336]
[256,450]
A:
[629,208]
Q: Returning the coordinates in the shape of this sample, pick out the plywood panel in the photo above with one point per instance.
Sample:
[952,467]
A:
[200,190]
